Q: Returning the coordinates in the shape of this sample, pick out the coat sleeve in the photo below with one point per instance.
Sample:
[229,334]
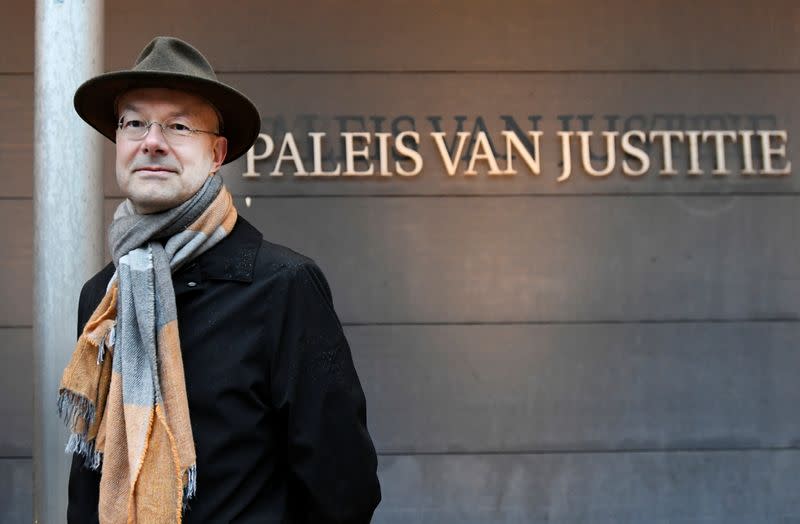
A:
[315,386]
[84,483]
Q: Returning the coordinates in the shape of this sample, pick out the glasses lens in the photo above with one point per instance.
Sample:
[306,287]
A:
[177,130]
[133,129]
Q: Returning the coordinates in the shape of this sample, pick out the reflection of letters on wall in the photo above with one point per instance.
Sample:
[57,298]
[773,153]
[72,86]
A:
[666,145]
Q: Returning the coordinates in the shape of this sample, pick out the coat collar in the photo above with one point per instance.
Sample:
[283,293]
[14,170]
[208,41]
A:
[233,258]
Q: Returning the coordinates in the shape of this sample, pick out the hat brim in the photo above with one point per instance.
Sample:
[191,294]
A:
[94,101]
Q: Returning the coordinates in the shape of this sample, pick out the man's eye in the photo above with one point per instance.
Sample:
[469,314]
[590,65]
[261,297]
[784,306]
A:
[133,124]
[175,126]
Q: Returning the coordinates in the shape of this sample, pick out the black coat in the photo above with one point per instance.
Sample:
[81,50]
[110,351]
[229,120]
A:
[278,414]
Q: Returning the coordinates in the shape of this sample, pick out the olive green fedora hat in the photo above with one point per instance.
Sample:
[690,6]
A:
[171,63]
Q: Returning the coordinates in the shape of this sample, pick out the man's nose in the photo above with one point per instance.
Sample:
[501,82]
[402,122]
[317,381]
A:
[154,141]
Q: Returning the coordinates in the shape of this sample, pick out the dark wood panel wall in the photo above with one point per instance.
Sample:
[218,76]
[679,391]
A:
[604,350]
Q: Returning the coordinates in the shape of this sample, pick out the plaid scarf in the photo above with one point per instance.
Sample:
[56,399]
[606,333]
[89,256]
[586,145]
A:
[130,412]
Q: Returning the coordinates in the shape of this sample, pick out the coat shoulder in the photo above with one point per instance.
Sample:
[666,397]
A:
[92,293]
[271,258]
[276,258]
[94,288]
[298,274]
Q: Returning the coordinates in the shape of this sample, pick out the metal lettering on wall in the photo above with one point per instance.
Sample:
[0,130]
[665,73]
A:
[671,144]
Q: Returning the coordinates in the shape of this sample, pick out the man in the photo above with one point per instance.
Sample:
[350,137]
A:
[211,381]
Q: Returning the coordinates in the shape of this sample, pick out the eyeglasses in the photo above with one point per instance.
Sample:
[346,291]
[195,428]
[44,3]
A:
[137,129]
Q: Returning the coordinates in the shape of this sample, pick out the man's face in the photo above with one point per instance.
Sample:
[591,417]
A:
[158,172]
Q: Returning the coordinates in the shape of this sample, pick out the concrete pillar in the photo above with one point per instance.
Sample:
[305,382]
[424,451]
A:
[68,222]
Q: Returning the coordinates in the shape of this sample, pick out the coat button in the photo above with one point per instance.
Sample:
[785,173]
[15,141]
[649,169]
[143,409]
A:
[191,284]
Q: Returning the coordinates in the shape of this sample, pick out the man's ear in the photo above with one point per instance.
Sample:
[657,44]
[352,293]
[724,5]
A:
[220,151]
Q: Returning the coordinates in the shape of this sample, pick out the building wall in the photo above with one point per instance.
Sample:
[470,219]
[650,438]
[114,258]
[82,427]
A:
[599,350]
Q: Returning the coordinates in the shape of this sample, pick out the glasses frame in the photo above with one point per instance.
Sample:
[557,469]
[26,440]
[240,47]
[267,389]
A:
[167,134]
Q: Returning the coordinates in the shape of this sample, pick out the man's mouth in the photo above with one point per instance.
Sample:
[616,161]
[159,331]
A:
[154,170]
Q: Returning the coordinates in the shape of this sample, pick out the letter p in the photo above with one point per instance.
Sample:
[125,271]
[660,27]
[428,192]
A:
[269,147]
